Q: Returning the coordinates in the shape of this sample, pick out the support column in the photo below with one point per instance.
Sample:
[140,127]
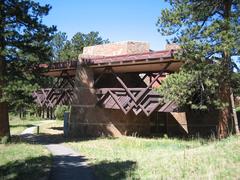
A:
[48,113]
[51,113]
[43,112]
[86,118]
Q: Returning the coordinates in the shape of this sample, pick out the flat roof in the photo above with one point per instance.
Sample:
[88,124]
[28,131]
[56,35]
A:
[142,62]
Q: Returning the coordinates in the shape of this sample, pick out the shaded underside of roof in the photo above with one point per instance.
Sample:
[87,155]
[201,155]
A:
[144,62]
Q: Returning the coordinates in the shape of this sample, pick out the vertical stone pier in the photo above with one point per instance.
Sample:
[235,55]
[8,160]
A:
[87,118]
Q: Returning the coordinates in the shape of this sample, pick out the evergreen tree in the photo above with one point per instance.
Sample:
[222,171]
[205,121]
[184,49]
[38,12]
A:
[23,79]
[58,42]
[22,34]
[73,48]
[208,33]
[67,52]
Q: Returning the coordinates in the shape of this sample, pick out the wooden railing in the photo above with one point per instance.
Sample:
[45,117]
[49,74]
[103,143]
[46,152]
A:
[134,99]
[60,93]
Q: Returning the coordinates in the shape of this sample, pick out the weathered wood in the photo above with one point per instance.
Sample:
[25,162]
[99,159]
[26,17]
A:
[143,98]
[150,103]
[60,94]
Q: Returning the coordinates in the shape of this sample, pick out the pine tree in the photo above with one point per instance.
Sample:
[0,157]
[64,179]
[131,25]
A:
[22,34]
[73,48]
[208,33]
[58,42]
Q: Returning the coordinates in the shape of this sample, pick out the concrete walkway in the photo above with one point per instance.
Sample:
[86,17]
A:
[29,131]
[67,164]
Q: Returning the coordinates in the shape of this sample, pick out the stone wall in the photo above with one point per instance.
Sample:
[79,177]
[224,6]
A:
[114,49]
[88,119]
[172,46]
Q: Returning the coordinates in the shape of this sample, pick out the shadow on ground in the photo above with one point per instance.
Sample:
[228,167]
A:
[76,165]
[45,139]
[50,138]
[115,170]
[37,168]
[27,169]
[57,128]
[21,125]
[72,168]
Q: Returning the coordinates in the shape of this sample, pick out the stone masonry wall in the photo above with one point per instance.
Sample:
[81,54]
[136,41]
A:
[87,119]
[114,49]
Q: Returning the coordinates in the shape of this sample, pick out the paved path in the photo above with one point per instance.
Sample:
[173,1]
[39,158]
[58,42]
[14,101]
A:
[67,164]
[28,130]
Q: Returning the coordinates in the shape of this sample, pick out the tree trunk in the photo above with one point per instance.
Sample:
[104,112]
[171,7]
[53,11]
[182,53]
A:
[4,123]
[4,119]
[224,93]
[224,113]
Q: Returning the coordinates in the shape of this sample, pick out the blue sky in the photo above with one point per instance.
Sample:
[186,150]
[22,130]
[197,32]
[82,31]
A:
[117,20]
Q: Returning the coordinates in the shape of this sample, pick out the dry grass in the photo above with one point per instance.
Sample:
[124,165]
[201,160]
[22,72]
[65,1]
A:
[140,158]
[52,128]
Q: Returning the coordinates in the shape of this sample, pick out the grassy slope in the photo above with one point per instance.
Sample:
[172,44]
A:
[141,158]
[20,160]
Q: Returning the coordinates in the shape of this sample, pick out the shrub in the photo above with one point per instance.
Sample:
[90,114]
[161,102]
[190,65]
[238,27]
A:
[59,111]
[31,118]
[197,88]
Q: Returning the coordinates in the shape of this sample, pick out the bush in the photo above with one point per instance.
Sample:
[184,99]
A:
[59,111]
[197,88]
[31,118]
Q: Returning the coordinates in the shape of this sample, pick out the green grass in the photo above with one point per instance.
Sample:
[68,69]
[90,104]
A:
[19,160]
[140,158]
[18,125]
[23,161]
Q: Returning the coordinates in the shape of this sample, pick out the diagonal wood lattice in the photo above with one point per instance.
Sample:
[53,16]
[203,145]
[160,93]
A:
[60,94]
[141,99]
[136,99]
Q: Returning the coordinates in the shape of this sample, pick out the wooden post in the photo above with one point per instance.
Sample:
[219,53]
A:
[40,112]
[43,112]
[167,114]
[20,113]
[37,129]
[53,117]
[48,113]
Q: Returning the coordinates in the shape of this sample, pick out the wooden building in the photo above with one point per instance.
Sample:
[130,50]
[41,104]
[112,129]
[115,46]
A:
[112,91]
